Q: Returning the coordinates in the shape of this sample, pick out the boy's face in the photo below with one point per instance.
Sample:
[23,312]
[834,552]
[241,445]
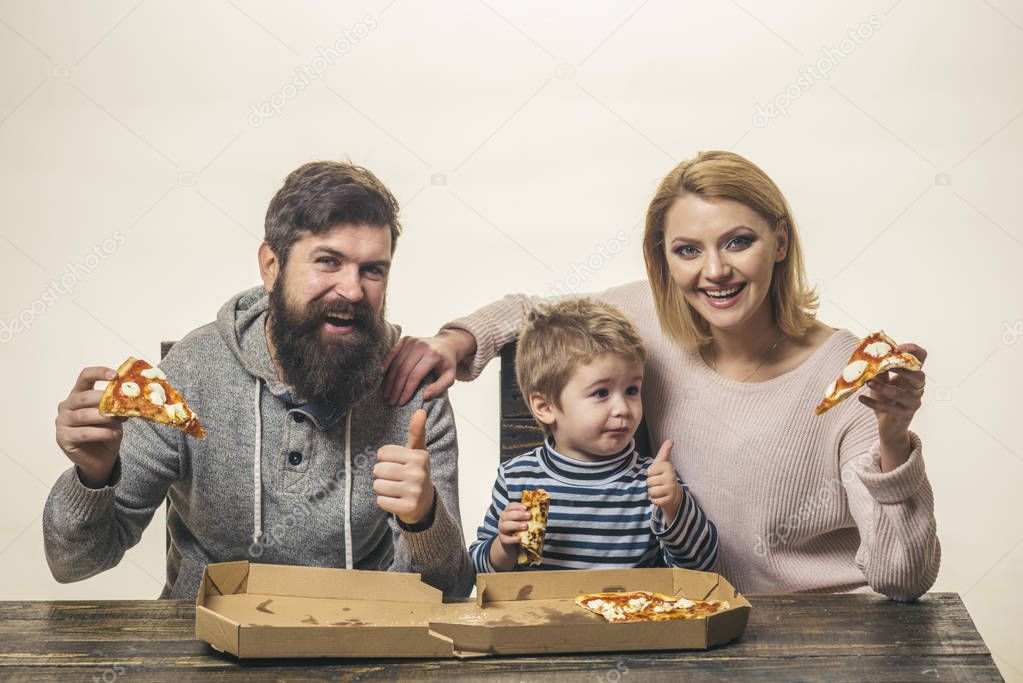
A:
[600,408]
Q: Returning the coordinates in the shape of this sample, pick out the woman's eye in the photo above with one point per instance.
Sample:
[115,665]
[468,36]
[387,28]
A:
[740,242]
[686,251]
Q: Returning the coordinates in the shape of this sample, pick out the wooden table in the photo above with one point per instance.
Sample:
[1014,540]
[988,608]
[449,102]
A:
[789,637]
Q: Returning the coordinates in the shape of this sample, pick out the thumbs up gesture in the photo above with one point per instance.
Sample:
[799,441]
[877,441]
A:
[402,475]
[662,484]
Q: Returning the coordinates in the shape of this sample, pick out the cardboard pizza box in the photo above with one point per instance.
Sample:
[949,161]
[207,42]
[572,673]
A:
[258,610]
[535,612]
[264,610]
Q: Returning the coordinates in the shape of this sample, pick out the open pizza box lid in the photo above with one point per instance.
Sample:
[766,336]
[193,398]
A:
[535,612]
[258,610]
[264,610]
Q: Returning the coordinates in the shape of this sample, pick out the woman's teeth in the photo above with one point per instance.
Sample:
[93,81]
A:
[723,293]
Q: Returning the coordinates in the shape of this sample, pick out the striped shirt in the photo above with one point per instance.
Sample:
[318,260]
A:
[600,515]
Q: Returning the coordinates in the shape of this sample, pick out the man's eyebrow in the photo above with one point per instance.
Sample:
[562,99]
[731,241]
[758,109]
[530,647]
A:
[330,251]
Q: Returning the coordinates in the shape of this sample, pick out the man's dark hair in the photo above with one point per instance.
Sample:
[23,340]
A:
[320,195]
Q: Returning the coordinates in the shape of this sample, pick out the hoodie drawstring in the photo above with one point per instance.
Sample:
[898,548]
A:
[257,481]
[349,562]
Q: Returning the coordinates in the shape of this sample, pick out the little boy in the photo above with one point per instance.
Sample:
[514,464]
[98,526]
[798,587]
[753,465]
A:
[580,367]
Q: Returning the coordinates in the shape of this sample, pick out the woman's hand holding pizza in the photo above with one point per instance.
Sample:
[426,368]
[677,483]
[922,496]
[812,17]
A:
[895,397]
[662,483]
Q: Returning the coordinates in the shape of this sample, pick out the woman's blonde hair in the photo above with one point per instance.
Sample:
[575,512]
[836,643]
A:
[555,339]
[724,175]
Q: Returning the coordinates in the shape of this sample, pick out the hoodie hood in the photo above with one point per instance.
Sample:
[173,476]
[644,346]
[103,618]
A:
[241,323]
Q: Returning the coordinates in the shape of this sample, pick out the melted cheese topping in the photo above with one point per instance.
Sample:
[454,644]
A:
[894,361]
[854,370]
[878,349]
[153,373]
[156,394]
[177,412]
[130,389]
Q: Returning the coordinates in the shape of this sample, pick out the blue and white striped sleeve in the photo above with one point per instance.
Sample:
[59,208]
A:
[690,541]
[486,534]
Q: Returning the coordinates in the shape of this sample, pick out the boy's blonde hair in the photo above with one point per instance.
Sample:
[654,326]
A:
[725,175]
[556,338]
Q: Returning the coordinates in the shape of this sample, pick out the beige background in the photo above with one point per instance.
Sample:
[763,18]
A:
[523,141]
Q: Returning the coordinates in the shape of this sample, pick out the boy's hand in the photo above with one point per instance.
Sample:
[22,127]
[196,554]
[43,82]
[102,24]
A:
[662,484]
[504,553]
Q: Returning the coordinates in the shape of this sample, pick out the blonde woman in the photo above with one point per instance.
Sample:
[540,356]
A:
[736,362]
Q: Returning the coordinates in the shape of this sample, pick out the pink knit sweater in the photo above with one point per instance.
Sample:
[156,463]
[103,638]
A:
[799,500]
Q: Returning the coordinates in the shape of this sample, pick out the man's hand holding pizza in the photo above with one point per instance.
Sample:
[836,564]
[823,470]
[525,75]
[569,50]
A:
[403,485]
[90,440]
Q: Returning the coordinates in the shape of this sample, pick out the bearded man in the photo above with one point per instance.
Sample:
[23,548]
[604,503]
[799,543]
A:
[299,465]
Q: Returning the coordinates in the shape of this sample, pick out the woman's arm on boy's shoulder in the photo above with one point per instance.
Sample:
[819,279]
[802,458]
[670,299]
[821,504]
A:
[462,348]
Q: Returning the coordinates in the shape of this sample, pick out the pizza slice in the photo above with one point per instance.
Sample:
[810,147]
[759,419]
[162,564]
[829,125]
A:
[875,355]
[630,606]
[538,503]
[140,390]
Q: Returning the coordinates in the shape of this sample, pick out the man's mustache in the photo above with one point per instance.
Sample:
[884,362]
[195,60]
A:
[361,313]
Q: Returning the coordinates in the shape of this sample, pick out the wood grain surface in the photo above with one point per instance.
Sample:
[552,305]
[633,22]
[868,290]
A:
[789,638]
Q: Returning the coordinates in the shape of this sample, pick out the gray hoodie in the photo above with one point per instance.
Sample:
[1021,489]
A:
[293,508]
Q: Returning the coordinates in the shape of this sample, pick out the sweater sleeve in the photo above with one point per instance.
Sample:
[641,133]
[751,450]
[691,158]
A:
[690,540]
[487,533]
[493,326]
[87,531]
[498,323]
[438,552]
[899,552]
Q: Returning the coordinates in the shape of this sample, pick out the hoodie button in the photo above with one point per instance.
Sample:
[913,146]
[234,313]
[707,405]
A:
[295,458]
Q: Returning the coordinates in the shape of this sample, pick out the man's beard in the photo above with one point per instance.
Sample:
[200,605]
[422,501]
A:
[335,373]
